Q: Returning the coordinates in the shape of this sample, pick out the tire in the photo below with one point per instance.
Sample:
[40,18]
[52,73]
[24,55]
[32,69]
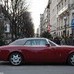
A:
[15,59]
[71,59]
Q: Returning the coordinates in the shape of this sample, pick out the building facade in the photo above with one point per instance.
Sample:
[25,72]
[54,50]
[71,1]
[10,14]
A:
[64,17]
[53,18]
[43,21]
[60,17]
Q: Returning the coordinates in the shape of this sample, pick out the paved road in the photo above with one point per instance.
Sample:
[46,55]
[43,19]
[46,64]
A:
[6,68]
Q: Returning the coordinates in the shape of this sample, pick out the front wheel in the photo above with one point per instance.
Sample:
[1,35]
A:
[15,59]
[71,59]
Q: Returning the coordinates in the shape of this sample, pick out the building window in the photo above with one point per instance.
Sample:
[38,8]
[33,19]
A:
[7,28]
[62,3]
[65,0]
[59,5]
[0,17]
[68,32]
[72,15]
[61,33]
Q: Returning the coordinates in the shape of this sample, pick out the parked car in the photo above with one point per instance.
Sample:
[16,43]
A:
[36,50]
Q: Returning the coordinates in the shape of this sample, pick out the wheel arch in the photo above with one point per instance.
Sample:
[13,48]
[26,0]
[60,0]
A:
[16,52]
[72,52]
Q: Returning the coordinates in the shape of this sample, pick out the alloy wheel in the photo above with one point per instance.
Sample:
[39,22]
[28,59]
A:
[71,59]
[15,59]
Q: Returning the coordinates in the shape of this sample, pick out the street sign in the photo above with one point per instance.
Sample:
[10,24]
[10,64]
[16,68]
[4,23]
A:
[72,23]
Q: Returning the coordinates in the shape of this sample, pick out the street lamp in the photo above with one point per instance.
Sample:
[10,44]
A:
[65,19]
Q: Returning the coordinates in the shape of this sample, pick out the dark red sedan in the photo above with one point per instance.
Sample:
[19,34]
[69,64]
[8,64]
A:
[36,50]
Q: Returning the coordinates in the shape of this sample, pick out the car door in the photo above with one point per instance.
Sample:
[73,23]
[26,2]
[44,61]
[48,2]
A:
[58,53]
[37,51]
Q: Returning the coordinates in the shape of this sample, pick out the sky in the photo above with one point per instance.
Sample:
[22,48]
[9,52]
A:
[36,7]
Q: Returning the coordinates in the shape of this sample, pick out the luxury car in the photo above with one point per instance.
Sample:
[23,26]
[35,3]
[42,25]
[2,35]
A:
[36,50]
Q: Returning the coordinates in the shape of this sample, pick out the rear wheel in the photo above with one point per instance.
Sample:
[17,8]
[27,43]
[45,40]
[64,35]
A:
[71,59]
[15,59]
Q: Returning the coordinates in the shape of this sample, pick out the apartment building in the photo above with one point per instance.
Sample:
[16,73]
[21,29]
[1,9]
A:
[60,17]
[64,17]
[43,21]
[53,18]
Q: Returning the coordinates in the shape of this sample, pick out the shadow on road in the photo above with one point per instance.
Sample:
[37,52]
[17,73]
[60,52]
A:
[2,63]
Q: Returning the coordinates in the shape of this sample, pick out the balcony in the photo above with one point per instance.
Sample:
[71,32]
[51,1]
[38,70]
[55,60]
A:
[65,8]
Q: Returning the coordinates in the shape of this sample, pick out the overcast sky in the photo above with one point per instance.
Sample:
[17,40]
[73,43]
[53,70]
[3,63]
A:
[36,8]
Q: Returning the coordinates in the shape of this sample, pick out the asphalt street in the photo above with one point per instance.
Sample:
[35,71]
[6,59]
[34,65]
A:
[6,68]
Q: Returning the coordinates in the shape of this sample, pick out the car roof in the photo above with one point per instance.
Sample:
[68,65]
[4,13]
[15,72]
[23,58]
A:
[33,38]
[25,39]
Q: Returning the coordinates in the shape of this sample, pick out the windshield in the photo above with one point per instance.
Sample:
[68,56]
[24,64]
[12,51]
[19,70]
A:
[52,43]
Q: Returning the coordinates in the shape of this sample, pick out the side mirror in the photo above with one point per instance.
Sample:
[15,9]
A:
[48,45]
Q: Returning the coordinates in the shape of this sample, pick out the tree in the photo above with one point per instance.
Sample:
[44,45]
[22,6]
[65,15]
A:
[46,34]
[2,41]
[27,24]
[21,24]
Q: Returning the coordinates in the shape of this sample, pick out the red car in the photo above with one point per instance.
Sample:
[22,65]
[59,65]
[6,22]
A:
[36,50]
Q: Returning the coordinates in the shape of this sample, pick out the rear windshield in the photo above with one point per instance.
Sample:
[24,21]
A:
[18,42]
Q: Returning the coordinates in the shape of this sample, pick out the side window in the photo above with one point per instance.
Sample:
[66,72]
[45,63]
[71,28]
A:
[40,42]
[33,42]
[36,42]
[30,42]
[43,42]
